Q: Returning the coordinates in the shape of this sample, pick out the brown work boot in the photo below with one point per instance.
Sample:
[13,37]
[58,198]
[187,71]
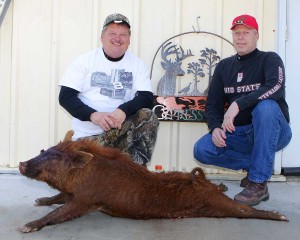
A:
[244,182]
[253,194]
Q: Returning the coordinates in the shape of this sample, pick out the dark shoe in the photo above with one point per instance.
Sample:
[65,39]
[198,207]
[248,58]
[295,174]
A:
[253,194]
[244,182]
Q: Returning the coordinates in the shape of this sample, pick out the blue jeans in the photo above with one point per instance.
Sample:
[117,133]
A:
[250,147]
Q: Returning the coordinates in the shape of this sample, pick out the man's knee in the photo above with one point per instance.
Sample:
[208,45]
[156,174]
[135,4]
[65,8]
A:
[266,109]
[198,150]
[201,149]
[146,115]
[143,133]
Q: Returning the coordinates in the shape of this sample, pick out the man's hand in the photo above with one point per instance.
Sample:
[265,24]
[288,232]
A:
[103,120]
[118,117]
[229,116]
[219,137]
[107,120]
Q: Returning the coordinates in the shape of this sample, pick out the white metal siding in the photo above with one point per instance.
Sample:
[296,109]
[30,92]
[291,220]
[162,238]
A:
[39,38]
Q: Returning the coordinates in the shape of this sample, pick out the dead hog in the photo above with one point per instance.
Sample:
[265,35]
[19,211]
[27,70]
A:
[91,177]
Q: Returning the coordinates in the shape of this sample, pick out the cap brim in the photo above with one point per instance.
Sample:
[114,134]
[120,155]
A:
[118,22]
[241,24]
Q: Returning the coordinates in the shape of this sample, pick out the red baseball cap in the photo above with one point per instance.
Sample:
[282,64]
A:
[246,20]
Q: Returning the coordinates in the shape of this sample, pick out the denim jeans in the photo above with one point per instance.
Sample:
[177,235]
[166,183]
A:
[250,147]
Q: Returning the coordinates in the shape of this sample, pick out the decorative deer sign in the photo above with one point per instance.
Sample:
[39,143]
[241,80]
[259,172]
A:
[167,84]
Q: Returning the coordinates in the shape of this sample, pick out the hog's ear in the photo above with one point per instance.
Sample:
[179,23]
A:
[68,136]
[81,159]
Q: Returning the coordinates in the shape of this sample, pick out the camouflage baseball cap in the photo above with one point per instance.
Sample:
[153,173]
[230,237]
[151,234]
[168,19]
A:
[116,18]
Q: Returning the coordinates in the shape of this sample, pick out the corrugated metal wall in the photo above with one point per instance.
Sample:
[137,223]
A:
[39,38]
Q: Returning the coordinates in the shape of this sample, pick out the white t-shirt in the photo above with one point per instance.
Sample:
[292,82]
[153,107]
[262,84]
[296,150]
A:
[104,85]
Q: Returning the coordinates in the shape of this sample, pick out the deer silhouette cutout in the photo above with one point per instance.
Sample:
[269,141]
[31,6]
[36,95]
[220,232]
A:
[167,84]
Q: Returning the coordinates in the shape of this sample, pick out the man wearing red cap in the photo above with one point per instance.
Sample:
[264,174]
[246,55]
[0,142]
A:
[256,124]
[108,92]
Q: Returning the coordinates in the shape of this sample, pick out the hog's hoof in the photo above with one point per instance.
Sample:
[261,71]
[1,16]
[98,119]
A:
[222,187]
[45,201]
[281,216]
[27,229]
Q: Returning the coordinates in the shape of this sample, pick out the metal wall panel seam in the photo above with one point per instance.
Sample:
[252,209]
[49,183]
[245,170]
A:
[175,127]
[136,43]
[53,121]
[13,143]
[96,31]
[259,18]
[282,29]
[5,73]
[281,48]
[219,21]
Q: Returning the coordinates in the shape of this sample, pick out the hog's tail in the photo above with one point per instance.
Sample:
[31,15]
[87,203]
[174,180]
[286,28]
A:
[68,136]
[197,173]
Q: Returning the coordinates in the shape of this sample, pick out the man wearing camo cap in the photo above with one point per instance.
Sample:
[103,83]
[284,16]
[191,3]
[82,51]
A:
[116,18]
[108,92]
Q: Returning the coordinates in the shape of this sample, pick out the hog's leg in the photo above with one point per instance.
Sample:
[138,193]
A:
[60,198]
[226,207]
[64,213]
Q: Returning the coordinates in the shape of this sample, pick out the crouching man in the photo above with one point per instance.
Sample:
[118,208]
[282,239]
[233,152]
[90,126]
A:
[256,124]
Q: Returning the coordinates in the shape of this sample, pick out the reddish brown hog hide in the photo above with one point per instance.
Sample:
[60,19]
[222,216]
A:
[91,177]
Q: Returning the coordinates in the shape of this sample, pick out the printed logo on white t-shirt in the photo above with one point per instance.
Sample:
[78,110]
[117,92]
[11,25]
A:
[114,85]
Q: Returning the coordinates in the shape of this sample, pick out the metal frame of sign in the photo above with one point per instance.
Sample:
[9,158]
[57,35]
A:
[184,107]
[4,4]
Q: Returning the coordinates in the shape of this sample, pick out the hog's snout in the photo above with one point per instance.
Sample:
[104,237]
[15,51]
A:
[28,169]
[22,167]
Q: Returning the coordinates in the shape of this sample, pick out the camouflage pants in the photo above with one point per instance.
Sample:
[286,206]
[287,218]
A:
[137,136]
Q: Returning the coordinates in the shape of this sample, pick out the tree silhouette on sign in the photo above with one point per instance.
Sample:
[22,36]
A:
[195,69]
[209,59]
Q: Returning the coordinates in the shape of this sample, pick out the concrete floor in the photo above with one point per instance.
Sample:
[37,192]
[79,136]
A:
[17,195]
